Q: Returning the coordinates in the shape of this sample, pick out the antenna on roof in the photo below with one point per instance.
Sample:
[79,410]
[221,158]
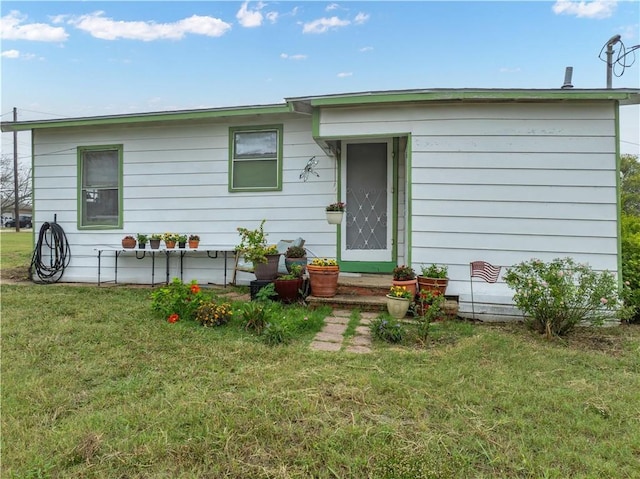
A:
[612,41]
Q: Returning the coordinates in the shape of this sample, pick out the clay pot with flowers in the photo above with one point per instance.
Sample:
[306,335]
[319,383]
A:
[433,278]
[398,301]
[170,240]
[128,242]
[404,275]
[194,241]
[323,277]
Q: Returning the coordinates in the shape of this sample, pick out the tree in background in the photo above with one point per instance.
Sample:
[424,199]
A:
[630,201]
[630,195]
[7,185]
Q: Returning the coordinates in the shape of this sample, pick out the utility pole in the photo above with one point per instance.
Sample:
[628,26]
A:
[16,199]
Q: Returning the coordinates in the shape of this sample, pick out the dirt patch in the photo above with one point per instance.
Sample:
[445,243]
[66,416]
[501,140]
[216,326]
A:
[15,275]
[609,340]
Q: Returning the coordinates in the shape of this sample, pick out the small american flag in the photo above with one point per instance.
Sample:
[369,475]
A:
[486,271]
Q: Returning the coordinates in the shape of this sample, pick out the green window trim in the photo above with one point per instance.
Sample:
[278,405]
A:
[83,189]
[252,165]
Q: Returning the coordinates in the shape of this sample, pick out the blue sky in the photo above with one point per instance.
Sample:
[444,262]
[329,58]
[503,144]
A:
[69,59]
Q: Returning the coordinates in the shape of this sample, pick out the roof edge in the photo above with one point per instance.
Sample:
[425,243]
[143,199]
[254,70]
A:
[151,117]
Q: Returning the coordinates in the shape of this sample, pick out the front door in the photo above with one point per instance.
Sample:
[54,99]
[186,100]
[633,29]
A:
[366,234]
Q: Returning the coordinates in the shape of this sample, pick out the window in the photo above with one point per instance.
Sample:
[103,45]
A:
[100,186]
[256,158]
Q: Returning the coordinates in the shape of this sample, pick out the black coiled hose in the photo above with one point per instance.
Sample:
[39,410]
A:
[49,265]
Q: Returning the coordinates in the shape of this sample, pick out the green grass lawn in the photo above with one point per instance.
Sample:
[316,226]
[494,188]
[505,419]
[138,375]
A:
[95,386]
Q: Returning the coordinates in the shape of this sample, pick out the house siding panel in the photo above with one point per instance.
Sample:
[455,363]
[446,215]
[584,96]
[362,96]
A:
[175,179]
[502,182]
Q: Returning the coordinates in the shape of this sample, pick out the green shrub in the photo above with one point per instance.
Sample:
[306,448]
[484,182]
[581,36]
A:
[387,329]
[429,308]
[177,300]
[276,333]
[558,295]
[631,265]
[255,316]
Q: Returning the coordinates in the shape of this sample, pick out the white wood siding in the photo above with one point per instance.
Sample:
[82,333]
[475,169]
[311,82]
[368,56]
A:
[176,179]
[502,183]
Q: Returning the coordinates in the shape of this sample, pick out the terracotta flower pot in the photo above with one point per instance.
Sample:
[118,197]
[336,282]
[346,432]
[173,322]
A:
[324,280]
[411,285]
[193,244]
[433,284]
[128,243]
[288,289]
[170,244]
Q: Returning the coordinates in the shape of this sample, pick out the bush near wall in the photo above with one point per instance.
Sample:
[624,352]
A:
[631,262]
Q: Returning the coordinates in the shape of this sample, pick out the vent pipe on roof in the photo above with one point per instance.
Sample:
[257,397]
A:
[568,73]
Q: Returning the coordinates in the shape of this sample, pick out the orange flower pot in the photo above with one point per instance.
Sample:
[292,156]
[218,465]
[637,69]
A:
[323,280]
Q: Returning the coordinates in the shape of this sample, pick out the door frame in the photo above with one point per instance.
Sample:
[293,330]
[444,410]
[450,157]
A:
[392,220]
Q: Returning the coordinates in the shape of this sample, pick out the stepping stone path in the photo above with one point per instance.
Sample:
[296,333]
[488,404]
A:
[331,337]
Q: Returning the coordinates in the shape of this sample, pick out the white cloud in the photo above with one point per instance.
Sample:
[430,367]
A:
[99,26]
[12,28]
[585,9]
[298,56]
[344,74]
[366,49]
[332,6]
[323,25]
[10,54]
[361,18]
[510,70]
[250,18]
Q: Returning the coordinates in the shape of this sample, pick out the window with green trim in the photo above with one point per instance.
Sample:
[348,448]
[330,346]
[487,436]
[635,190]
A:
[100,186]
[256,158]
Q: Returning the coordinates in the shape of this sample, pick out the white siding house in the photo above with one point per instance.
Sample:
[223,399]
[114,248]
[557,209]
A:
[429,176]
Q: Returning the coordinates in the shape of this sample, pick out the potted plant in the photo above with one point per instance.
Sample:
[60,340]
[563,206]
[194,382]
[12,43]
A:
[194,241]
[142,240]
[296,255]
[265,258]
[404,275]
[128,242]
[182,241]
[323,277]
[170,240]
[154,240]
[288,286]
[335,212]
[434,277]
[398,301]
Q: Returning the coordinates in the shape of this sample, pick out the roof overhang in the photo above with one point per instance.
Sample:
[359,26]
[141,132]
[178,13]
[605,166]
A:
[148,118]
[306,105]
[623,96]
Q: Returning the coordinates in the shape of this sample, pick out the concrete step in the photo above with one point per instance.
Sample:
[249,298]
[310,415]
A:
[367,292]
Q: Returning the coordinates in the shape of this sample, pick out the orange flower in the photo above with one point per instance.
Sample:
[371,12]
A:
[195,289]
[173,318]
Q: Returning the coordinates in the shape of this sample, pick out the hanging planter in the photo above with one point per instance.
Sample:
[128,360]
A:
[335,213]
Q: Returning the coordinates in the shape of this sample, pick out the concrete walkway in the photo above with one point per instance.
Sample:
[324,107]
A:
[331,337]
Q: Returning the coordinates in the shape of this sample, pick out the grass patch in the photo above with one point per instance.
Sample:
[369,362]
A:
[93,385]
[16,250]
